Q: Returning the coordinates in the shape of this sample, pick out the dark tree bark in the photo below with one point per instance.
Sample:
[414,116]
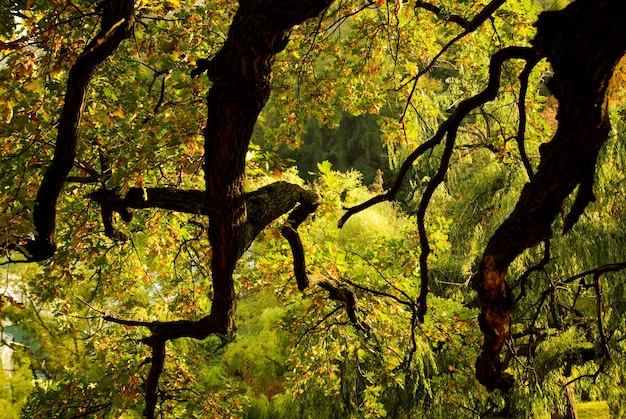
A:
[583,43]
[264,205]
[117,22]
[241,76]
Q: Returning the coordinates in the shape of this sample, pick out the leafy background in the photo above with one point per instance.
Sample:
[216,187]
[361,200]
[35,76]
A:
[345,111]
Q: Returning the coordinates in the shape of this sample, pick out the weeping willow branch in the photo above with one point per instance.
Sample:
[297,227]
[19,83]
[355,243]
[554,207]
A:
[610,267]
[604,342]
[539,266]
[449,130]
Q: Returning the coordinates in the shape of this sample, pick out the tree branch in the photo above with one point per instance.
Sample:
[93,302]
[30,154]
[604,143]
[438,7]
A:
[152,381]
[264,204]
[521,106]
[539,266]
[449,17]
[604,342]
[610,267]
[117,23]
[449,127]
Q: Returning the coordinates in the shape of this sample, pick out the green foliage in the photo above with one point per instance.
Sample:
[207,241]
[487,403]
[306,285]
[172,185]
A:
[336,371]
[258,355]
[594,410]
[15,389]
[345,112]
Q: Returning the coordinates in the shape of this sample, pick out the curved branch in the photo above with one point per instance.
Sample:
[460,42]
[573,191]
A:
[290,232]
[604,341]
[449,127]
[537,267]
[611,267]
[391,194]
[449,17]
[117,23]
[339,293]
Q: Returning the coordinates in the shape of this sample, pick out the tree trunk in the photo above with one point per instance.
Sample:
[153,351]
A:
[241,76]
[583,43]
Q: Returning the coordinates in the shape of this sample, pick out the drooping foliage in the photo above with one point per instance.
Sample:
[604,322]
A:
[129,175]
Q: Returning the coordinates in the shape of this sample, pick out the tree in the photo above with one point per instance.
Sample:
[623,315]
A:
[240,73]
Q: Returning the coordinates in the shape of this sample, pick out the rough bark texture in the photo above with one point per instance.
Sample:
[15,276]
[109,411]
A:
[583,43]
[241,76]
[264,205]
[117,22]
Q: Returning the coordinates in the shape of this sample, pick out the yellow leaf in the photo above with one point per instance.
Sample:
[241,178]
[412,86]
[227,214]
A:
[9,111]
[118,112]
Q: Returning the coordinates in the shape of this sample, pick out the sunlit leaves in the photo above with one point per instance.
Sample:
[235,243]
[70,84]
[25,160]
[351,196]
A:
[349,78]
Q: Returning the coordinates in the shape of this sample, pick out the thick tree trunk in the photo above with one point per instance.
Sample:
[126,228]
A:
[241,76]
[583,43]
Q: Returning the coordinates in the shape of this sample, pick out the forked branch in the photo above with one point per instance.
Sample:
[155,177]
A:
[264,206]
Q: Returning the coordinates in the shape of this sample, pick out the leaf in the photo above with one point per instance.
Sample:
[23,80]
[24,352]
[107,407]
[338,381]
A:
[324,167]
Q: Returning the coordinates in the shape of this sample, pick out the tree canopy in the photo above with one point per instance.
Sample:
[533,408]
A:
[447,177]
